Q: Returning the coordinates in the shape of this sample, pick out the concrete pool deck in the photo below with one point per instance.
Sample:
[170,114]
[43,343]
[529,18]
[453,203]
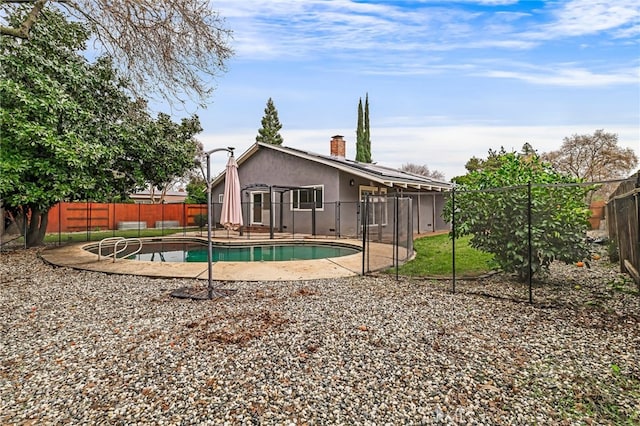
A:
[380,256]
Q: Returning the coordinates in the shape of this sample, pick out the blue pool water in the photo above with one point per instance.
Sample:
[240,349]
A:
[197,252]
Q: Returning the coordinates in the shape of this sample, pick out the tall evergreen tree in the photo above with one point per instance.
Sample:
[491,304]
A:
[363,141]
[360,147]
[270,131]
[367,132]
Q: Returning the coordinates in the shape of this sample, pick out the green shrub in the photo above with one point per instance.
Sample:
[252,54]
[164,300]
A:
[492,206]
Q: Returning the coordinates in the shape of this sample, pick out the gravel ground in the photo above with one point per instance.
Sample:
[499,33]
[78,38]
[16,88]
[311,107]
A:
[89,348]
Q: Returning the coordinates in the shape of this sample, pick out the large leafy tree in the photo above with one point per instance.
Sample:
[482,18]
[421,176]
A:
[491,205]
[166,150]
[53,120]
[69,129]
[197,190]
[270,130]
[169,47]
[492,162]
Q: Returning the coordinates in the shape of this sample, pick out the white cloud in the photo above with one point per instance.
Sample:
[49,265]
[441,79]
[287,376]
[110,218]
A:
[630,33]
[393,40]
[585,17]
[298,29]
[590,16]
[569,76]
[420,65]
[494,2]
[293,28]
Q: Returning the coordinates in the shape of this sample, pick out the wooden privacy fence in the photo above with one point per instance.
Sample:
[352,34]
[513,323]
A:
[623,213]
[83,216]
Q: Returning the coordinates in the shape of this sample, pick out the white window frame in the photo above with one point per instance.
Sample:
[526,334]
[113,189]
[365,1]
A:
[220,198]
[296,193]
[265,207]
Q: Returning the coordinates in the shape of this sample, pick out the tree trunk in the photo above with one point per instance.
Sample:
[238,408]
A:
[37,226]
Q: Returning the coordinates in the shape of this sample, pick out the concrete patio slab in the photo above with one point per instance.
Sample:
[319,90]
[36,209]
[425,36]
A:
[380,256]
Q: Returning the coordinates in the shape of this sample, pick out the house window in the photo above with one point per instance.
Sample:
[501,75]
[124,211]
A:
[306,198]
[220,198]
[377,204]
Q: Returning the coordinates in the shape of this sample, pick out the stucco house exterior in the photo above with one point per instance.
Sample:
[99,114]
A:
[293,190]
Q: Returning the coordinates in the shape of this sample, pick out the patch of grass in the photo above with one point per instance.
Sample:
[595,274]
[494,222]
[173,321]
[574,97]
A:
[72,237]
[622,284]
[433,258]
[605,401]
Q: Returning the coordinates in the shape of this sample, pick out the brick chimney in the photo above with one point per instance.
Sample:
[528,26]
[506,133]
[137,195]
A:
[338,146]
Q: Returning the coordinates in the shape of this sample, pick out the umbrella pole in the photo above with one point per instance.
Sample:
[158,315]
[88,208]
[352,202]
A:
[209,219]
[209,244]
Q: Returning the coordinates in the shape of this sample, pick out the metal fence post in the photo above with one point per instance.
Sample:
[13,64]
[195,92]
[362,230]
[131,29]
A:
[88,221]
[293,222]
[313,219]
[337,219]
[59,223]
[365,221]
[529,240]
[396,231]
[24,221]
[453,237]
[271,234]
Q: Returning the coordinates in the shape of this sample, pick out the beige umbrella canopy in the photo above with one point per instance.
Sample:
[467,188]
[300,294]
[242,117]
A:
[231,216]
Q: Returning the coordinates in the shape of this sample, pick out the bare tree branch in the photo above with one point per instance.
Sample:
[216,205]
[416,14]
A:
[593,157]
[422,170]
[23,31]
[174,48]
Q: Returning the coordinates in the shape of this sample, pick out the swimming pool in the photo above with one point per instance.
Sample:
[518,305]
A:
[83,256]
[158,250]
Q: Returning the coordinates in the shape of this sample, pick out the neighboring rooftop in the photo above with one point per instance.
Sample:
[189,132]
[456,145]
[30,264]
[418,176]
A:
[170,196]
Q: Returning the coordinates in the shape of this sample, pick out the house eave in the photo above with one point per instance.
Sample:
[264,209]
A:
[372,177]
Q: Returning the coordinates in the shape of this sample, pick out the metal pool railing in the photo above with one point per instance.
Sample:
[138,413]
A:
[115,241]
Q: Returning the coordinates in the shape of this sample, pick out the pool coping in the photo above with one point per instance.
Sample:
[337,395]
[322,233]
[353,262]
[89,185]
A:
[380,256]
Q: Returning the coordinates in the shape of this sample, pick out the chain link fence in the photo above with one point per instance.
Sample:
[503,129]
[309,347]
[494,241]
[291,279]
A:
[386,219]
[543,234]
[546,239]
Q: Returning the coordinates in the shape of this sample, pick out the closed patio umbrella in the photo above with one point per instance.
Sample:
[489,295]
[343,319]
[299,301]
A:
[231,216]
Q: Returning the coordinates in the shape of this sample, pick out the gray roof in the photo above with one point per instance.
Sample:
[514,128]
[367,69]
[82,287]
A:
[383,175]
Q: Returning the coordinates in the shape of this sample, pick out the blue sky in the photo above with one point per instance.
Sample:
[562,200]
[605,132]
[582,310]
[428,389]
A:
[446,80]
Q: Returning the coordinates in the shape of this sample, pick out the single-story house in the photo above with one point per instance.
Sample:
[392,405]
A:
[293,190]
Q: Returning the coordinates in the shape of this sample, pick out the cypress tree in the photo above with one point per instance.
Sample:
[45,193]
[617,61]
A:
[360,148]
[269,133]
[366,133]
[363,138]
